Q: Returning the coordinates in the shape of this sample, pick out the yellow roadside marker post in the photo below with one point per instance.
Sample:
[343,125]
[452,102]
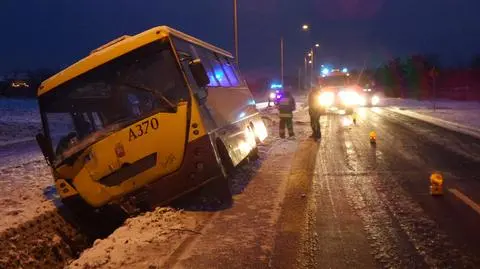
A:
[436,184]
[373,137]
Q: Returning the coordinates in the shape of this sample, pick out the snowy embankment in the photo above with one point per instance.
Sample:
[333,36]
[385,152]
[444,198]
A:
[453,115]
[23,173]
[19,120]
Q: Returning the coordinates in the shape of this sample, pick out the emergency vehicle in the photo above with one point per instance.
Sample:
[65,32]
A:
[338,93]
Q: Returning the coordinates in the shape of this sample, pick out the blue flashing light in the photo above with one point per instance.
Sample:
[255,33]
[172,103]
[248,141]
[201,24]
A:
[344,70]
[325,71]
[276,86]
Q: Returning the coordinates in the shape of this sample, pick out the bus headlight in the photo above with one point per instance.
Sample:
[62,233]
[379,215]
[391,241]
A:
[326,99]
[375,100]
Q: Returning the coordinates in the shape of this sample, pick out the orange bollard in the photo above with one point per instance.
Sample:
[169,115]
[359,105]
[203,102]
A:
[373,137]
[436,184]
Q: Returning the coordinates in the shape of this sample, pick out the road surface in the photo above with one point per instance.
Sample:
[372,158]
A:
[369,206]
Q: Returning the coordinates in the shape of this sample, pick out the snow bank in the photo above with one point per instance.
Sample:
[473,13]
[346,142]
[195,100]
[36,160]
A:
[19,120]
[453,115]
[142,242]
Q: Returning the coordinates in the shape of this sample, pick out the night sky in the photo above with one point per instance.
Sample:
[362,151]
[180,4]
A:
[55,33]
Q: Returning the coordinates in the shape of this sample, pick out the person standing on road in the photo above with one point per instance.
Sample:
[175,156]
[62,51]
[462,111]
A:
[286,106]
[314,111]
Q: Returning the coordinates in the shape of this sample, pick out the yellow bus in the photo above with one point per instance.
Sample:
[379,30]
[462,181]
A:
[145,119]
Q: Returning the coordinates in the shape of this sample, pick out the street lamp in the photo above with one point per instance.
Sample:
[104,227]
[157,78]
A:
[317,45]
[305,27]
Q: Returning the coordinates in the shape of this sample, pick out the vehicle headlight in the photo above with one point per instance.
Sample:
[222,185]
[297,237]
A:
[375,100]
[272,95]
[326,98]
[362,100]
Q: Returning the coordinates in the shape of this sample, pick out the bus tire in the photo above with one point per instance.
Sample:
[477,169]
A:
[253,156]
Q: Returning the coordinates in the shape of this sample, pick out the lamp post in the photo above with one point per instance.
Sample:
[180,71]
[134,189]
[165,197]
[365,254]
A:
[305,27]
[281,60]
[313,61]
[235,29]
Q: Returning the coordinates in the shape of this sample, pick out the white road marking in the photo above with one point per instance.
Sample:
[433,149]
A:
[466,200]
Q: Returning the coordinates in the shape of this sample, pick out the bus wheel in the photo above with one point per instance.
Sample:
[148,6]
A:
[253,156]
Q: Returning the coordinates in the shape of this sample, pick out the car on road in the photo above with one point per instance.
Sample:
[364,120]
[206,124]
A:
[369,97]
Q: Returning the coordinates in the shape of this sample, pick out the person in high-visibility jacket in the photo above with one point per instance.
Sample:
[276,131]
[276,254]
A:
[286,106]
[315,112]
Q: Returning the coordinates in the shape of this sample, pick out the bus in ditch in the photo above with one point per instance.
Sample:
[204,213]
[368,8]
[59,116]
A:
[145,119]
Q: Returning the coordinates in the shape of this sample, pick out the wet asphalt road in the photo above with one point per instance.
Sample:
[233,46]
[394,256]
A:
[370,207]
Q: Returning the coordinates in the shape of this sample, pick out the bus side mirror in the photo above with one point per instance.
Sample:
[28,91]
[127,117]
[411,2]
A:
[199,73]
[45,147]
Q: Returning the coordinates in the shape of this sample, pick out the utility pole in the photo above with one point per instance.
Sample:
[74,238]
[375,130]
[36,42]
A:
[281,60]
[305,78]
[312,73]
[235,30]
[299,78]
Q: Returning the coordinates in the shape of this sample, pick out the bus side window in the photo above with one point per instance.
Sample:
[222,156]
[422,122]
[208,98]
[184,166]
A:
[97,121]
[218,70]
[229,71]
[211,73]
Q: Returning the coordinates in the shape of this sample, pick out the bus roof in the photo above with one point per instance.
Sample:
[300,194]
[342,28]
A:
[118,47]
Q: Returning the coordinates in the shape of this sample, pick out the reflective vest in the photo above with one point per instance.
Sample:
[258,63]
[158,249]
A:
[286,106]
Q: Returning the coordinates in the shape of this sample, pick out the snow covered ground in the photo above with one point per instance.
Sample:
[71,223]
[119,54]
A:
[454,115]
[19,120]
[24,175]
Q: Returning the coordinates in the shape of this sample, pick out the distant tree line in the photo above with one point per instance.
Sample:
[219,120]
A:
[422,76]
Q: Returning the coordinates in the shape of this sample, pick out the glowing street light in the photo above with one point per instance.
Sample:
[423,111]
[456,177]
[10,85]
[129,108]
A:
[305,27]
[310,61]
[309,54]
[317,45]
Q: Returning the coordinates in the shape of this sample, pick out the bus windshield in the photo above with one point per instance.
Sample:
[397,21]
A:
[107,98]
